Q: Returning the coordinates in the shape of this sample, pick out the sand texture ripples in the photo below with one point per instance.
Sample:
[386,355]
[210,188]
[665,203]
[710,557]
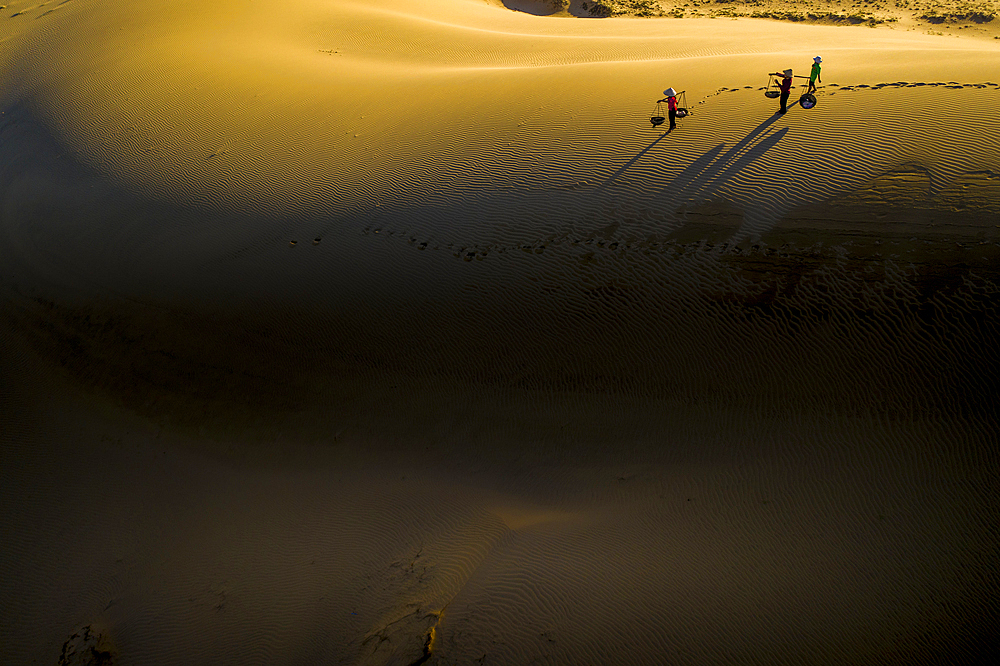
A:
[394,333]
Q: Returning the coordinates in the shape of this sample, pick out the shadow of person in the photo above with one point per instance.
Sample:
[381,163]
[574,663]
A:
[711,163]
[632,161]
[685,178]
[709,172]
[709,167]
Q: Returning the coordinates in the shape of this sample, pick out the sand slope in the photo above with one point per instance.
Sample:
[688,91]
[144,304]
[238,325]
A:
[392,333]
[337,117]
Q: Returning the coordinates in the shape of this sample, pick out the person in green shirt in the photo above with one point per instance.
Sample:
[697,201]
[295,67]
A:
[814,74]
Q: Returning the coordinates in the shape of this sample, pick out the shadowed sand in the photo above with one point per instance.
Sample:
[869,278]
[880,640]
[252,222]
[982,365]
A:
[393,333]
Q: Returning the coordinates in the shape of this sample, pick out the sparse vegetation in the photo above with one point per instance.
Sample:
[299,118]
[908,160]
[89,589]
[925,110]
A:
[970,17]
[870,13]
[624,8]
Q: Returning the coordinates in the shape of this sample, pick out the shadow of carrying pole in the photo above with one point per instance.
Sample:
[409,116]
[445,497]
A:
[738,148]
[732,163]
[632,161]
[720,164]
[709,169]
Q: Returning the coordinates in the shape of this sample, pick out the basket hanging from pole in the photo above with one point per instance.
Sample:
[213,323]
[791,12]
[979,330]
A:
[682,107]
[772,91]
[657,116]
[808,100]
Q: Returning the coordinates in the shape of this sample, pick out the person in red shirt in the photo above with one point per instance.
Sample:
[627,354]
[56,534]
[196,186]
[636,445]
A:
[786,88]
[671,106]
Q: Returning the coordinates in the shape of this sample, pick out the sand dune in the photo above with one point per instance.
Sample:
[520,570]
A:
[383,332]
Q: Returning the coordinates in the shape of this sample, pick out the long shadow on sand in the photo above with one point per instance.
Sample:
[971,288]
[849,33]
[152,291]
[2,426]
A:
[710,168]
[628,164]
[710,171]
[723,168]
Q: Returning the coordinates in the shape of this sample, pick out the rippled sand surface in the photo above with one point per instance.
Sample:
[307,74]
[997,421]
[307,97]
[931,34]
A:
[380,332]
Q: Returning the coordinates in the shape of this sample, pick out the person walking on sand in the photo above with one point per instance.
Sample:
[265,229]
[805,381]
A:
[814,75]
[671,107]
[786,87]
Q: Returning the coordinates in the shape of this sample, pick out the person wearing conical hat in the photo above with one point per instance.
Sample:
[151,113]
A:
[671,107]
[814,74]
[785,87]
